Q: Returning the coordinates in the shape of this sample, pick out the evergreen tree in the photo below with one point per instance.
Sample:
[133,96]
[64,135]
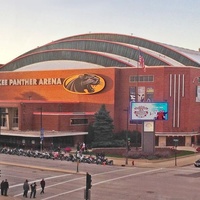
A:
[90,137]
[103,125]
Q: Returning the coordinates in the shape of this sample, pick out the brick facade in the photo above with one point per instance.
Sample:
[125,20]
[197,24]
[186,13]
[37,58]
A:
[175,85]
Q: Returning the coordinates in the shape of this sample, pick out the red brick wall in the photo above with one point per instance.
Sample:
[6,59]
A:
[115,95]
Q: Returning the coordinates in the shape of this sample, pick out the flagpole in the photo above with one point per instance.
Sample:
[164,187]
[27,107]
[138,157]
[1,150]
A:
[140,63]
[137,74]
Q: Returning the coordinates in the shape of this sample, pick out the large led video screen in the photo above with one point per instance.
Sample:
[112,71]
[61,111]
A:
[149,111]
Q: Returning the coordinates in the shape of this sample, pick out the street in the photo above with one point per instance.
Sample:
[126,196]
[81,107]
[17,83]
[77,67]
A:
[108,182]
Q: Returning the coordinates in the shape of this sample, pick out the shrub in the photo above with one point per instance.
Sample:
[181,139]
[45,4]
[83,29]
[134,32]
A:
[113,143]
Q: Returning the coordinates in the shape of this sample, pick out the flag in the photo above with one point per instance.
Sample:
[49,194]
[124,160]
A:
[141,61]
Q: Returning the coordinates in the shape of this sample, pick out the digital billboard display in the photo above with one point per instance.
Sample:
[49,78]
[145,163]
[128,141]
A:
[149,111]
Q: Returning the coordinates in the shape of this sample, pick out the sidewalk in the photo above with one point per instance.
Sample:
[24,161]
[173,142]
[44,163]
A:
[171,162]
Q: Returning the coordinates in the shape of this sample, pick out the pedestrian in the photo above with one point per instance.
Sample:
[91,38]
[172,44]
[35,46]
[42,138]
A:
[26,188]
[33,190]
[83,146]
[2,187]
[42,183]
[6,186]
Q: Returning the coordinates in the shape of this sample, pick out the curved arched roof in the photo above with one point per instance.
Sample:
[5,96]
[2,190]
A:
[107,50]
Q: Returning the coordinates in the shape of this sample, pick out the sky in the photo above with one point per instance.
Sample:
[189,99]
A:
[27,24]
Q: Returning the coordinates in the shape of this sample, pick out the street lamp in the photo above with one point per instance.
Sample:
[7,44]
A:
[175,144]
[41,130]
[127,118]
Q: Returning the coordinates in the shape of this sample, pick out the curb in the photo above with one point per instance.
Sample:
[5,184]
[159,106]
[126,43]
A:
[42,168]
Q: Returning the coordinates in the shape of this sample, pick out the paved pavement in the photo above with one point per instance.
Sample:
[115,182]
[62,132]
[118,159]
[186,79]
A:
[172,162]
[161,163]
[8,198]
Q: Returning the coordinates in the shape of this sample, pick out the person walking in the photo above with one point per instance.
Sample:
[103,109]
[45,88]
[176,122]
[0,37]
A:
[26,188]
[33,190]
[2,187]
[42,183]
[6,186]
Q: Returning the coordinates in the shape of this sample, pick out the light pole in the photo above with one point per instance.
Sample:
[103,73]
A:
[136,136]
[127,118]
[175,145]
[77,161]
[41,130]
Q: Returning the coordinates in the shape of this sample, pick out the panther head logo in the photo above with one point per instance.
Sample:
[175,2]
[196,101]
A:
[84,84]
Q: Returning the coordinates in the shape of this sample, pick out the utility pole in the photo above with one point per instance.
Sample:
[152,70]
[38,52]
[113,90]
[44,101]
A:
[127,119]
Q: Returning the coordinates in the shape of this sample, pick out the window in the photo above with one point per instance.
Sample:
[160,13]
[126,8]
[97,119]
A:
[3,121]
[15,117]
[141,78]
[78,121]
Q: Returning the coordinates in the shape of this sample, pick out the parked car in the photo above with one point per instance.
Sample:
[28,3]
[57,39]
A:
[197,163]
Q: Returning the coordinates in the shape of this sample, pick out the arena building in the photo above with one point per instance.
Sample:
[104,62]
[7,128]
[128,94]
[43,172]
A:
[50,94]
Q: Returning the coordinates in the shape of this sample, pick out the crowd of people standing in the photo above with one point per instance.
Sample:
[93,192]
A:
[26,188]
[33,187]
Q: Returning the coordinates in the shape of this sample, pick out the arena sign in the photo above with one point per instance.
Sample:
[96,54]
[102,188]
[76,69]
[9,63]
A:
[84,84]
[25,82]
